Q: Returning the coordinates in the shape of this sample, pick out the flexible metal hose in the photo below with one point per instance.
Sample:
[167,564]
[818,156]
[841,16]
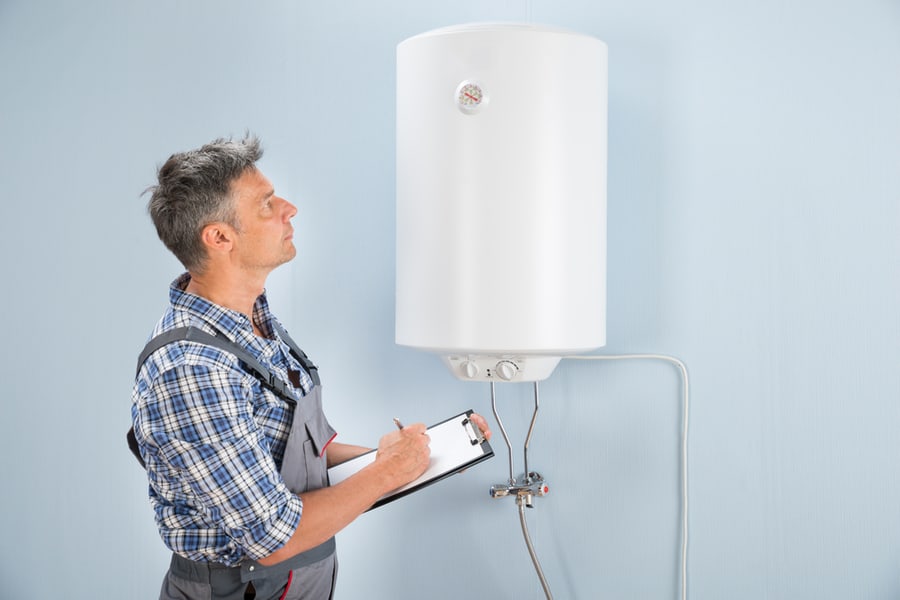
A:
[537,565]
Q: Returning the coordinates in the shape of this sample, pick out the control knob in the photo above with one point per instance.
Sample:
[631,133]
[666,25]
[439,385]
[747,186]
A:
[469,369]
[506,370]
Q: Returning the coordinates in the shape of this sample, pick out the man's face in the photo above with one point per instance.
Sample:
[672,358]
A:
[265,236]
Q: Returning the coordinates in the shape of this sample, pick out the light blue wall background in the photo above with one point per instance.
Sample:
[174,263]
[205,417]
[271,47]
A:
[754,204]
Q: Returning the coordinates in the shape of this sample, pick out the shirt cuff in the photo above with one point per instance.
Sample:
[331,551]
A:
[272,533]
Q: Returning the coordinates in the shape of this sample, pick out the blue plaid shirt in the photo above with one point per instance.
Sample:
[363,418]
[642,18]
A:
[213,438]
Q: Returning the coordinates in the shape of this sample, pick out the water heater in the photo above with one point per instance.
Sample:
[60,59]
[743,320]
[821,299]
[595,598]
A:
[501,197]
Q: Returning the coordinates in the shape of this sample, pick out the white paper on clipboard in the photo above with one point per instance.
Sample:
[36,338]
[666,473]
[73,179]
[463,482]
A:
[456,444]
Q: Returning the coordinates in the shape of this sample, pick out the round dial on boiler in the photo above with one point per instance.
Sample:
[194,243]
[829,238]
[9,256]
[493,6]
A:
[470,96]
[506,370]
[469,369]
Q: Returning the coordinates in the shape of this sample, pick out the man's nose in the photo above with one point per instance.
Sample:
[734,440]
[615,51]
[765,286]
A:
[290,211]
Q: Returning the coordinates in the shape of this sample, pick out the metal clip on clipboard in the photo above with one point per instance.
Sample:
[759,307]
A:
[476,436]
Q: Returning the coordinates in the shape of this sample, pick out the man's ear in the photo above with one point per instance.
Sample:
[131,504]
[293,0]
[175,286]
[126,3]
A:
[218,237]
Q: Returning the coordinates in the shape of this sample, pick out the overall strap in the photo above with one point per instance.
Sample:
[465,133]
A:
[193,334]
[299,354]
[266,377]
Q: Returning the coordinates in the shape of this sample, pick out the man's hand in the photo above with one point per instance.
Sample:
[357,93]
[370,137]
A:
[404,453]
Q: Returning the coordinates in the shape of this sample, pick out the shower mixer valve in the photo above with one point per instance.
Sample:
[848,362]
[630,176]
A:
[532,485]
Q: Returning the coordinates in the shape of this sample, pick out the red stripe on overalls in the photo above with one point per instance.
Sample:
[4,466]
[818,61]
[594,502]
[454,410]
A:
[288,587]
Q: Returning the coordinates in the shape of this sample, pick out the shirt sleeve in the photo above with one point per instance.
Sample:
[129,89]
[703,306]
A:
[199,419]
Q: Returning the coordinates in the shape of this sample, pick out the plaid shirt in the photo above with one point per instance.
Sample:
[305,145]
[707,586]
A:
[213,438]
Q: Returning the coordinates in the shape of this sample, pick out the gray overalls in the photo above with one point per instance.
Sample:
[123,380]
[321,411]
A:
[309,575]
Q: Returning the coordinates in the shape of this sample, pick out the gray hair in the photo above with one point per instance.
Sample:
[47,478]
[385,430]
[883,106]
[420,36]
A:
[194,190]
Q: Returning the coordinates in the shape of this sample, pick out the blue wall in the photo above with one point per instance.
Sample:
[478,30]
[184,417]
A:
[754,204]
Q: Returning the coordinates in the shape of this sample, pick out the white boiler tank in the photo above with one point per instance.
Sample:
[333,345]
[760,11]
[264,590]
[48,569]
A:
[501,197]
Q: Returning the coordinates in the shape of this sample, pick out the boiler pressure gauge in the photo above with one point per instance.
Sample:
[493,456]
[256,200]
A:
[470,97]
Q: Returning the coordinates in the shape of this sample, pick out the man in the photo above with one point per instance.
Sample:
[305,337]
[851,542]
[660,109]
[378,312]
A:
[236,464]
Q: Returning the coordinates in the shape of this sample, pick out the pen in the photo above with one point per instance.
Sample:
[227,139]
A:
[398,423]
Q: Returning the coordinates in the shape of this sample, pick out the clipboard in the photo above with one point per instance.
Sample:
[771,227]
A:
[456,444]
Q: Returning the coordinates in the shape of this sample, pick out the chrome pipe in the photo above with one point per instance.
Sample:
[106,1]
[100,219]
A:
[512,479]
[530,430]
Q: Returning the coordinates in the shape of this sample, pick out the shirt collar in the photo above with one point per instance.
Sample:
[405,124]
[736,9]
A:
[230,322]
